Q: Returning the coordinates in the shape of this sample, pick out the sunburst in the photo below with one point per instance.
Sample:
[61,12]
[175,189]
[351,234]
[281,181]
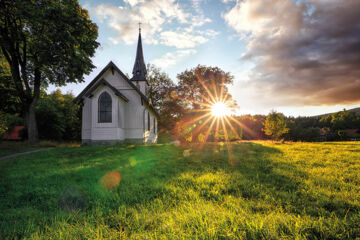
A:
[215,114]
[220,109]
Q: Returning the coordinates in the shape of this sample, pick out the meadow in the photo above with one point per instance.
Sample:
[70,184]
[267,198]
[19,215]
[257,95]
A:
[258,190]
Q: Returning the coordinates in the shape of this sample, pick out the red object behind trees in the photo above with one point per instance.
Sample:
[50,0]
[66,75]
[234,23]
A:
[15,133]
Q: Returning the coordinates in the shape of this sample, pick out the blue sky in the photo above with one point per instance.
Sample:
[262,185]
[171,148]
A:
[232,35]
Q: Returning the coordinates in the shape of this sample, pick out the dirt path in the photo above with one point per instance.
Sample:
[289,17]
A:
[23,153]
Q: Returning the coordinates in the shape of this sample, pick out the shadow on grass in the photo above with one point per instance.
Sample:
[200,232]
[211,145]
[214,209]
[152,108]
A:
[33,188]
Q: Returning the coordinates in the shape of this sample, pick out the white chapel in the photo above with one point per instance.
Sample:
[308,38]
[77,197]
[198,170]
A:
[116,109]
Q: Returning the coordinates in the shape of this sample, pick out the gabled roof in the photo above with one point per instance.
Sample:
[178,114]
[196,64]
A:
[139,70]
[104,82]
[114,67]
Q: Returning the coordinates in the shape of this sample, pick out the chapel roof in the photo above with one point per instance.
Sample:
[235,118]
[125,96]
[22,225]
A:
[139,70]
[94,84]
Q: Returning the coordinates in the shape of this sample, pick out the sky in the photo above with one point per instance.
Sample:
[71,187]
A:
[301,58]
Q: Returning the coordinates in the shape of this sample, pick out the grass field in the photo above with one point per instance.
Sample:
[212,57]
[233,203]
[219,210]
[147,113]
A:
[11,147]
[262,190]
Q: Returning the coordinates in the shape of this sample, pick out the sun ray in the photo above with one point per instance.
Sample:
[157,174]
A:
[232,128]
[196,119]
[205,87]
[207,133]
[202,125]
[222,88]
[251,132]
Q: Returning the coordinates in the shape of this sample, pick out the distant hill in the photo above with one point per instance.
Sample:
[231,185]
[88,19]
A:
[355,110]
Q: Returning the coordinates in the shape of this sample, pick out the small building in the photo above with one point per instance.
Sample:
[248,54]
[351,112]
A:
[116,109]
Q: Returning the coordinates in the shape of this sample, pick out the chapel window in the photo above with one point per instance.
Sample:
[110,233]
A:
[105,108]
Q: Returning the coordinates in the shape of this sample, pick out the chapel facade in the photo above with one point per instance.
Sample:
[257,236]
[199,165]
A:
[116,109]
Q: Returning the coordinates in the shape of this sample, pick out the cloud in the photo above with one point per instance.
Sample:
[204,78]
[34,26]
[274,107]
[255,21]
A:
[171,58]
[153,14]
[134,2]
[181,39]
[305,52]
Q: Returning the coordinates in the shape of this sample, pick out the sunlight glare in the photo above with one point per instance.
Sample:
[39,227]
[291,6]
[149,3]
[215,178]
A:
[220,109]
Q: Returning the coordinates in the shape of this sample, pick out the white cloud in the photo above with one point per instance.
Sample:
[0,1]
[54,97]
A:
[158,18]
[170,59]
[153,14]
[113,40]
[227,1]
[181,40]
[134,2]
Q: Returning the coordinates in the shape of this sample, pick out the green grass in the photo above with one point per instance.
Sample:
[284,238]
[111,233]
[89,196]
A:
[11,147]
[261,190]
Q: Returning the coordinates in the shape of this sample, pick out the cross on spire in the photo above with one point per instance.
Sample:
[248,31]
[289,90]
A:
[139,27]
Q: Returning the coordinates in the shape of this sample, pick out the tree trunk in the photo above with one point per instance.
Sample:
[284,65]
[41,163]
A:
[32,129]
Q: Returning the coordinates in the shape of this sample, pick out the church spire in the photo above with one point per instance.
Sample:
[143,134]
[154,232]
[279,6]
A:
[139,70]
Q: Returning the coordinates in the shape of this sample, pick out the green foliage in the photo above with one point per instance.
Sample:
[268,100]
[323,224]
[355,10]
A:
[275,125]
[341,120]
[160,94]
[251,126]
[58,117]
[197,86]
[261,190]
[8,122]
[3,125]
[45,42]
[9,100]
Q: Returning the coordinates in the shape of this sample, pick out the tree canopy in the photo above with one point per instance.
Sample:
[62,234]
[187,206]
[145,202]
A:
[45,42]
[275,125]
[201,85]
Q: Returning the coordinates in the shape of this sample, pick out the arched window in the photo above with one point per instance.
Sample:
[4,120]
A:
[148,121]
[105,106]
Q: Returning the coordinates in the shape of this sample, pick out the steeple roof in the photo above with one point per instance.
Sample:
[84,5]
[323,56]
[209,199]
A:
[139,70]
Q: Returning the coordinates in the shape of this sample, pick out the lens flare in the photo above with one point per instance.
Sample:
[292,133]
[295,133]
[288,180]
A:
[111,179]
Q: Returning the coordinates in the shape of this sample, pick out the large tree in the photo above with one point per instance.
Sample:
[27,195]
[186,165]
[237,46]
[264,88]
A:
[197,90]
[45,42]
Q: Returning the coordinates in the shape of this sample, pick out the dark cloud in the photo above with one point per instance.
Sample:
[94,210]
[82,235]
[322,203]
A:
[305,53]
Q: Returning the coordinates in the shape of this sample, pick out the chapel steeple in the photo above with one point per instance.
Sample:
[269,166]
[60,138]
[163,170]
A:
[139,70]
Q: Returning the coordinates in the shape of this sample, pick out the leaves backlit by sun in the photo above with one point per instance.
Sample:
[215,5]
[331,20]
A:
[213,115]
[220,109]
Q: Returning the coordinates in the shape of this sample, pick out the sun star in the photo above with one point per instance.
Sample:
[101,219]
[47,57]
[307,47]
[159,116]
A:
[220,109]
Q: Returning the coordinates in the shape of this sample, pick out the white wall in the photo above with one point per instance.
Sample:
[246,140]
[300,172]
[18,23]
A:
[127,117]
[106,131]
[86,119]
